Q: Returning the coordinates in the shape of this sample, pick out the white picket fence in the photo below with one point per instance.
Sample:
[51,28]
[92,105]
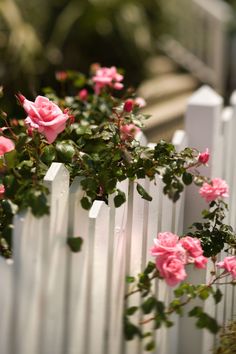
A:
[198,38]
[53,301]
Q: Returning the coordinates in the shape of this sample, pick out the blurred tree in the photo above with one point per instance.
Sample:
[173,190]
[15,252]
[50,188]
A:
[40,36]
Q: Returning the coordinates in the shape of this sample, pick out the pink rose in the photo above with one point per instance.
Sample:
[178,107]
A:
[139,101]
[204,157]
[217,188]
[83,94]
[192,245]
[2,191]
[6,145]
[167,244]
[200,262]
[229,264]
[44,116]
[171,269]
[107,77]
[129,131]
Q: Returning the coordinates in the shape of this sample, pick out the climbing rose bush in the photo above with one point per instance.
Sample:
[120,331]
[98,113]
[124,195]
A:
[92,126]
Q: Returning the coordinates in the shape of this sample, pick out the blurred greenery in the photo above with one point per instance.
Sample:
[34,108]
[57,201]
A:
[38,37]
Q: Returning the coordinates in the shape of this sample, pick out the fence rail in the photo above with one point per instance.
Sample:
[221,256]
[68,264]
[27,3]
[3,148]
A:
[53,301]
[198,38]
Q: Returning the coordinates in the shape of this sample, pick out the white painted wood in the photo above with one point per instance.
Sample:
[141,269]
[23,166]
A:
[6,294]
[96,337]
[28,282]
[54,262]
[77,273]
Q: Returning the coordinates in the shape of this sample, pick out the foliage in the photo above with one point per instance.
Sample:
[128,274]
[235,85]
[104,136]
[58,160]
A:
[227,340]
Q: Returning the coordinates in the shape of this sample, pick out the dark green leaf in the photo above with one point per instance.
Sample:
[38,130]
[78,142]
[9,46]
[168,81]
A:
[187,178]
[65,151]
[131,310]
[148,305]
[150,346]
[11,158]
[75,243]
[218,296]
[86,203]
[119,199]
[143,192]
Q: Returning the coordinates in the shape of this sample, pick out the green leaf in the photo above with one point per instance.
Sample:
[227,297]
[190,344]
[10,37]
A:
[149,305]
[49,154]
[195,312]
[119,199]
[131,330]
[11,158]
[86,203]
[131,310]
[130,279]
[143,193]
[205,321]
[38,203]
[187,178]
[75,243]
[150,268]
[150,346]
[65,151]
[218,296]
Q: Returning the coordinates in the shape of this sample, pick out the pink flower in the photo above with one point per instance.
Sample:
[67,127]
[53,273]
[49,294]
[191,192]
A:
[2,191]
[128,105]
[61,75]
[192,245]
[44,116]
[229,264]
[217,188]
[171,269]
[83,95]
[6,145]
[200,262]
[107,77]
[128,131]
[203,157]
[139,101]
[167,244]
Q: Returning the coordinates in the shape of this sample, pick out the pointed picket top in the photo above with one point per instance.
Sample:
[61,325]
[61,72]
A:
[205,96]
[233,99]
[96,208]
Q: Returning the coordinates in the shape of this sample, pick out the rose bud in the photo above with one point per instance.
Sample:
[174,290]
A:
[128,105]
[204,157]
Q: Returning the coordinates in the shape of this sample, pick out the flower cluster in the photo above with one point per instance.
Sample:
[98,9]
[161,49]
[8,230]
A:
[173,253]
[107,77]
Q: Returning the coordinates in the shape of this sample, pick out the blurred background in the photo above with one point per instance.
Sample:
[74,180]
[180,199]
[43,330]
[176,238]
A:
[166,47]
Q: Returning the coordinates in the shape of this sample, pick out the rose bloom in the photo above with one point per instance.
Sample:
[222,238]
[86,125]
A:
[218,188]
[83,95]
[6,145]
[139,101]
[192,245]
[44,116]
[107,77]
[2,191]
[129,131]
[171,269]
[229,264]
[204,157]
[200,262]
[167,244]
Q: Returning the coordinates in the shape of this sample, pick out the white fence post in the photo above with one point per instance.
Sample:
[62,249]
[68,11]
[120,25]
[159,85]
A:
[203,128]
